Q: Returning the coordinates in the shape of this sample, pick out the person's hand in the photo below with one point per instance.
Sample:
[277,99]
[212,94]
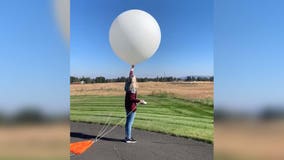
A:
[143,101]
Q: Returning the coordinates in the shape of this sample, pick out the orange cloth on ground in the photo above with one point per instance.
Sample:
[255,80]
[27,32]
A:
[80,147]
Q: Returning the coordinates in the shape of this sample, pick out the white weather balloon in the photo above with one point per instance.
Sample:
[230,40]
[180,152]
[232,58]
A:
[134,36]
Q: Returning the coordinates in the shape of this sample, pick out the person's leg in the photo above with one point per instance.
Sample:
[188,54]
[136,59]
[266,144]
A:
[132,117]
[128,124]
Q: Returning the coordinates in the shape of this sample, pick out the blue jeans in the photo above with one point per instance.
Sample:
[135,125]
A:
[129,123]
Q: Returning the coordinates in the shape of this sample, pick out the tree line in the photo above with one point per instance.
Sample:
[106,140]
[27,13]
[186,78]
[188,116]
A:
[102,79]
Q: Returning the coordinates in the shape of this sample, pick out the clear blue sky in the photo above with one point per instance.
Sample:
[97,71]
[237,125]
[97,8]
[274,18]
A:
[34,63]
[248,49]
[186,47]
[249,54]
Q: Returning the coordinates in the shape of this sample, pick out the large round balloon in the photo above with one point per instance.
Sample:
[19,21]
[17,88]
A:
[134,36]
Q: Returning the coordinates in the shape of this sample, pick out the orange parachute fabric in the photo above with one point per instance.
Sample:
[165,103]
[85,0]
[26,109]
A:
[80,147]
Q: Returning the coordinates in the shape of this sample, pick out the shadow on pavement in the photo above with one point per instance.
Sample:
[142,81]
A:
[87,136]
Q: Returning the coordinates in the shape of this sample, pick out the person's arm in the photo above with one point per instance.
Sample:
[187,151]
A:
[133,99]
[127,83]
[131,73]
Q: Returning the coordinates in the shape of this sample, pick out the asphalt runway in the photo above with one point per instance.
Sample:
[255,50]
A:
[149,146]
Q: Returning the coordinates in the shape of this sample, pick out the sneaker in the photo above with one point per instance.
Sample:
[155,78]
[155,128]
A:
[131,140]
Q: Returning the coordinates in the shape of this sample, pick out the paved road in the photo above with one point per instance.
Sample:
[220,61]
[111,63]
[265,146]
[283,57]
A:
[149,146]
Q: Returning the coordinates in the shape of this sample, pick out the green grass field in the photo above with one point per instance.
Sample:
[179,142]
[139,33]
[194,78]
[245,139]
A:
[163,113]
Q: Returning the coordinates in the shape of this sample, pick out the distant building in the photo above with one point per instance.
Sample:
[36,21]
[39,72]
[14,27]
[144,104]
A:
[80,82]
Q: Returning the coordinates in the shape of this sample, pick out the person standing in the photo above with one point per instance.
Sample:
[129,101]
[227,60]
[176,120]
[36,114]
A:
[130,104]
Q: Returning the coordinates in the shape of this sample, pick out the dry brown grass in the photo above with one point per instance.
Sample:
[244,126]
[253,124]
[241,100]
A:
[187,90]
[250,139]
[45,141]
